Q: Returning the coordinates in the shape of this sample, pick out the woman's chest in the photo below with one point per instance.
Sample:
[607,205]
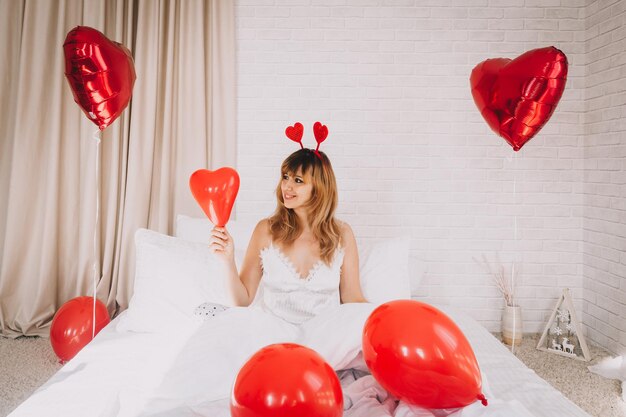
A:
[303,255]
[280,272]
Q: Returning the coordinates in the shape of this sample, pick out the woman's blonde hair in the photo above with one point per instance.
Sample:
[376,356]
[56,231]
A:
[284,226]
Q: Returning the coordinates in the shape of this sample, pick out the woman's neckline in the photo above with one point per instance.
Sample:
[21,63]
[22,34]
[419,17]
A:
[292,267]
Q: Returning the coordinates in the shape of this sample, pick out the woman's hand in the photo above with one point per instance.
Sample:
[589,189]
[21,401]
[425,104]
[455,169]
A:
[221,244]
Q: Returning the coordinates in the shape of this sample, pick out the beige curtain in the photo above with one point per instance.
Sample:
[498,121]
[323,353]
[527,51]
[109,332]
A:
[181,118]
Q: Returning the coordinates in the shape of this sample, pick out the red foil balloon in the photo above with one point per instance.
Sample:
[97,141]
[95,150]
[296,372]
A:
[420,356]
[285,380]
[517,97]
[72,326]
[100,72]
[216,192]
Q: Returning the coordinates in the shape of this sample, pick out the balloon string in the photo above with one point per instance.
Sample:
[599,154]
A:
[515,244]
[515,195]
[96,136]
[515,249]
[513,273]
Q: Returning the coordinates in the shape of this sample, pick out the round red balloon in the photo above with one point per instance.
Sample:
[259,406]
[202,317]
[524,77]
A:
[101,74]
[72,326]
[215,192]
[517,97]
[420,356]
[286,379]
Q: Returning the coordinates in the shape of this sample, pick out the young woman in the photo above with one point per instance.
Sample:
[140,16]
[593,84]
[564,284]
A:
[301,263]
[301,260]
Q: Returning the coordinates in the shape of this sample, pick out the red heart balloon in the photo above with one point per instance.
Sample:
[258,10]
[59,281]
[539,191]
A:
[517,97]
[419,355]
[286,379]
[216,192]
[100,72]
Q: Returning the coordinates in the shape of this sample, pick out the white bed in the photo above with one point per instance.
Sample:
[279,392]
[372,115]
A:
[159,359]
[121,374]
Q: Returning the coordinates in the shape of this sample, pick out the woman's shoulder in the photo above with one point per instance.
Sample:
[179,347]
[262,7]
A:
[343,225]
[345,230]
[263,225]
[261,233]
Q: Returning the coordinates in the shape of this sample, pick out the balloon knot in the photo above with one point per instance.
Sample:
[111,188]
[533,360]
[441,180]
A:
[482,399]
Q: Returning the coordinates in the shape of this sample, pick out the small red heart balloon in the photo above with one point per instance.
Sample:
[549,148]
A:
[517,97]
[216,192]
[100,72]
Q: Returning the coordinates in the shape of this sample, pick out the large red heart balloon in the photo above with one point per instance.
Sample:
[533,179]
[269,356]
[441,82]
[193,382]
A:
[284,380]
[72,326]
[100,72]
[216,192]
[517,97]
[419,355]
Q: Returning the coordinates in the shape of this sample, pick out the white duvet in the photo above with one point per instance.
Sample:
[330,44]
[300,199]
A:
[190,372]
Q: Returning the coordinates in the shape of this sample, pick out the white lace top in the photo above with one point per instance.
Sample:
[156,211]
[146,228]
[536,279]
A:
[284,293]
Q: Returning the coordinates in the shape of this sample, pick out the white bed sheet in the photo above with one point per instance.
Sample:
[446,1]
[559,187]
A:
[508,377]
[114,367]
[123,374]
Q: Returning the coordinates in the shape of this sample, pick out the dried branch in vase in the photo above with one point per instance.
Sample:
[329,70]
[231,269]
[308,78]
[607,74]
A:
[504,281]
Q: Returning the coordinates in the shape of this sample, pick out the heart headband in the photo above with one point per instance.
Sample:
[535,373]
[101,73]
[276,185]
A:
[296,131]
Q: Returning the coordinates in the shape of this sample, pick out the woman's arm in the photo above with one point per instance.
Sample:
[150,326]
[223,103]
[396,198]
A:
[251,271]
[242,286]
[350,283]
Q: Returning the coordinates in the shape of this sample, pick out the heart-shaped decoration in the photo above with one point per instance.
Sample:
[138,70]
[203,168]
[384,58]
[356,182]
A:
[101,74]
[295,132]
[517,97]
[320,131]
[215,192]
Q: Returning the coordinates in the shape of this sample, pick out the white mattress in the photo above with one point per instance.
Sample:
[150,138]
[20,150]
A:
[120,370]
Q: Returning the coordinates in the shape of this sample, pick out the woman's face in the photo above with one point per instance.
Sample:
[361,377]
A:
[296,188]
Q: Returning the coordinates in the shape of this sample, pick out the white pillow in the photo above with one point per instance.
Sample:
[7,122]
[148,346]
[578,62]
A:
[384,264]
[384,270]
[198,229]
[172,278]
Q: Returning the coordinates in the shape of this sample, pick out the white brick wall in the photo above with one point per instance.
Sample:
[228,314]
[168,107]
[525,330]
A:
[604,174]
[411,151]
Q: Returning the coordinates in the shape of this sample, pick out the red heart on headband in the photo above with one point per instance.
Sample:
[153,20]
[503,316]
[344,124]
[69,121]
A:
[295,132]
[517,97]
[215,192]
[320,131]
